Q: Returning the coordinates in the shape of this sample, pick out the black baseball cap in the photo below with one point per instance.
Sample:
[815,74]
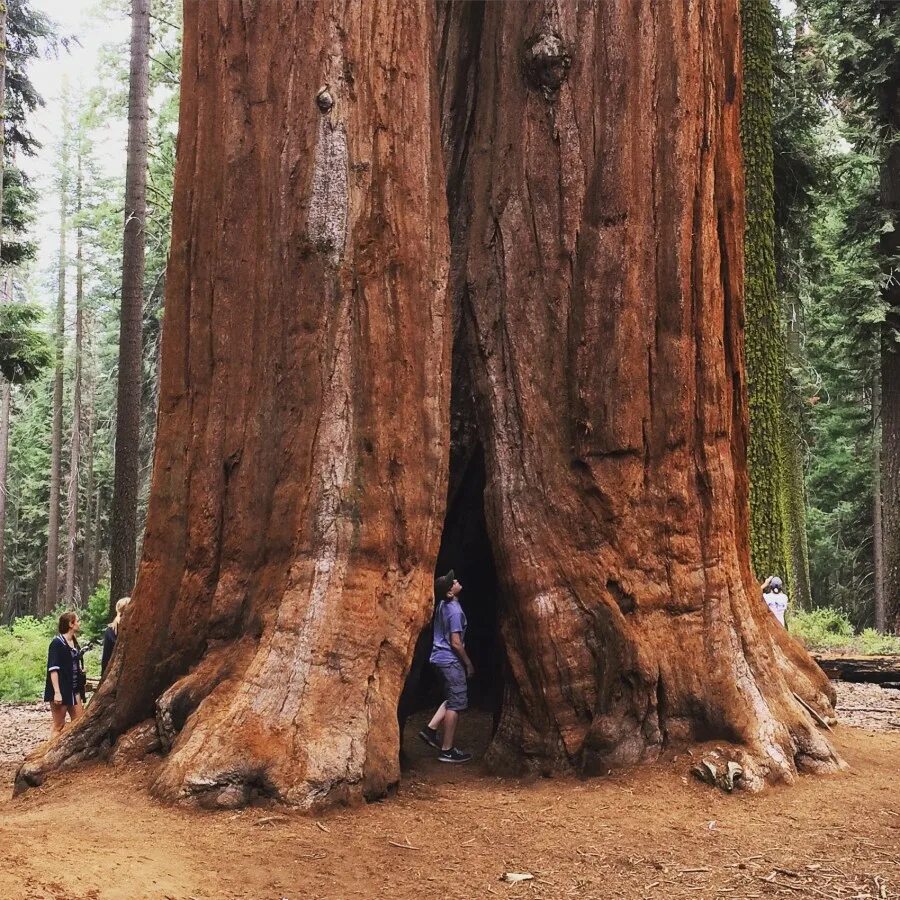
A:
[443,583]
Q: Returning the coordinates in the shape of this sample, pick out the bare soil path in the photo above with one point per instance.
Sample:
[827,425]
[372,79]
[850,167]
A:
[453,831]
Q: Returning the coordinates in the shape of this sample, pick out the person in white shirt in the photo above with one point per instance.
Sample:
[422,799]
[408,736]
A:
[775,597]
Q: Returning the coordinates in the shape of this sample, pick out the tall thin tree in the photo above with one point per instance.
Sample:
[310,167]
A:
[128,399]
[87,375]
[51,594]
[877,538]
[75,447]
[5,392]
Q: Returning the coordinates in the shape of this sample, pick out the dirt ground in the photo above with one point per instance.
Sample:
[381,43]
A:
[452,831]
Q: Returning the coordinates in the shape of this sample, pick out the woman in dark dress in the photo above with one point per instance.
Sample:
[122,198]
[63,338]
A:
[64,673]
[112,632]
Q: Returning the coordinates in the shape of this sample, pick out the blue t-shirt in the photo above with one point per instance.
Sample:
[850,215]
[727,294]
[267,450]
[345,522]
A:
[448,619]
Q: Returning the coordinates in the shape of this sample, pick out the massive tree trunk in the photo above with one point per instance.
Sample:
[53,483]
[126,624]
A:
[75,445]
[765,353]
[299,477]
[595,204]
[128,396]
[599,270]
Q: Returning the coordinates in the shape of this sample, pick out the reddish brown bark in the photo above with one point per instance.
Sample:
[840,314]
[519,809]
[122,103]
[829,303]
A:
[594,182]
[299,476]
[599,267]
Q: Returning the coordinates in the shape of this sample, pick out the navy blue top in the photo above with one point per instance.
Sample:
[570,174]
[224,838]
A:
[63,659]
[109,643]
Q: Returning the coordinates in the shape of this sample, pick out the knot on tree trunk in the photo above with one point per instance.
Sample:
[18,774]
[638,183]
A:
[324,100]
[547,61]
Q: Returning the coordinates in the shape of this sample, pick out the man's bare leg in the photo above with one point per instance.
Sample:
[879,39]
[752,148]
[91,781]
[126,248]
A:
[451,717]
[438,717]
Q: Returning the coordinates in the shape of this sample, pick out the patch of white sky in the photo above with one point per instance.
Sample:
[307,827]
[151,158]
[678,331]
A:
[77,70]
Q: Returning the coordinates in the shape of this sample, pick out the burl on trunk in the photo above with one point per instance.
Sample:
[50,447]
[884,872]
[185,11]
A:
[591,161]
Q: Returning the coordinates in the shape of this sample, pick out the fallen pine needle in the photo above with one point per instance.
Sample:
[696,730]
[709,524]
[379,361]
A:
[321,827]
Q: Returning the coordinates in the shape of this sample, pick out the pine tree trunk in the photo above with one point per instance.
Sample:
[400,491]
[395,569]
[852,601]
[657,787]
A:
[799,582]
[5,403]
[87,578]
[765,352]
[128,398]
[890,467]
[300,470]
[75,447]
[4,387]
[877,527]
[51,593]
[890,356]
[798,578]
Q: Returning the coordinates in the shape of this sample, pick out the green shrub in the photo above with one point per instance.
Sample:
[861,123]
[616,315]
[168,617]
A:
[823,628]
[95,617]
[872,643]
[23,658]
[830,629]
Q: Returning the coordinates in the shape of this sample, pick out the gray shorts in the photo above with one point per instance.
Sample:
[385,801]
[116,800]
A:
[455,689]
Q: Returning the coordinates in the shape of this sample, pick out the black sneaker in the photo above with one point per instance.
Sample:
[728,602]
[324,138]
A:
[430,736]
[454,756]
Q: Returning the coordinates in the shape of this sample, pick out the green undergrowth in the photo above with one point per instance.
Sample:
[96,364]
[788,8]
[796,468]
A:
[23,649]
[830,629]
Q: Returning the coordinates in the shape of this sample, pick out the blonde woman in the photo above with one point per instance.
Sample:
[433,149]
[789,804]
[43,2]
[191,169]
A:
[112,632]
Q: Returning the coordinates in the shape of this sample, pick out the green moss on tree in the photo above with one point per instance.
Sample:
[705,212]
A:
[765,344]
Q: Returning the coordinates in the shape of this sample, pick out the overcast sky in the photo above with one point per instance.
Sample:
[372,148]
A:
[79,18]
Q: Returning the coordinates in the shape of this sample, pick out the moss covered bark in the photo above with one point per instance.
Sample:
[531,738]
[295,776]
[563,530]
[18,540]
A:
[765,346]
[796,547]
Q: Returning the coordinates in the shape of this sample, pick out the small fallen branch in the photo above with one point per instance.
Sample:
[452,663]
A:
[406,846]
[812,712]
[269,820]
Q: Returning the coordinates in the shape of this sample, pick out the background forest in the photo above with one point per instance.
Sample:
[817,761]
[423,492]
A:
[828,74]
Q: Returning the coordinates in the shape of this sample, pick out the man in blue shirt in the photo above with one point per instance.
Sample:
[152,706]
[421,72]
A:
[448,655]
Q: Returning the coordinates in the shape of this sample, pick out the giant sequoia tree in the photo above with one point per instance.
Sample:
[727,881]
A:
[588,257]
